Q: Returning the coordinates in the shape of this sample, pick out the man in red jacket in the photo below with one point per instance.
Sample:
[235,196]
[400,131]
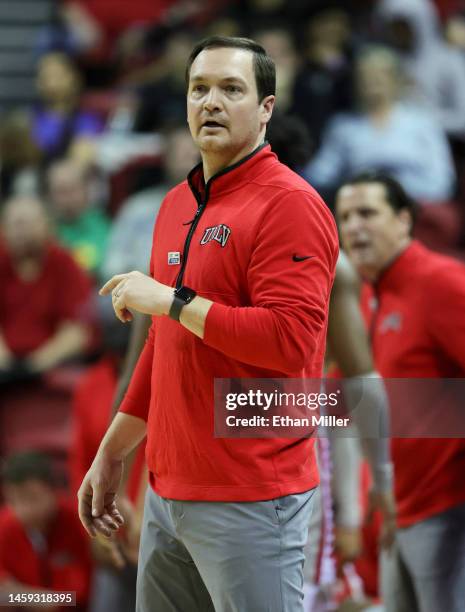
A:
[41,326]
[43,548]
[414,307]
[243,260]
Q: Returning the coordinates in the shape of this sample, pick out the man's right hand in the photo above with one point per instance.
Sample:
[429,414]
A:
[97,497]
[122,547]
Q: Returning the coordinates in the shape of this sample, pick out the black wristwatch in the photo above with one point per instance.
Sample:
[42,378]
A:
[182,296]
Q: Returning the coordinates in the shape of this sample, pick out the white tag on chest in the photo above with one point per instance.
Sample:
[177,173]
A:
[174,258]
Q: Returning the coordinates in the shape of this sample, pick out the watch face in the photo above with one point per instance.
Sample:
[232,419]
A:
[185,294]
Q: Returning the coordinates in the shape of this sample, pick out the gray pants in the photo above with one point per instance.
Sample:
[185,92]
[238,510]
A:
[223,557]
[425,572]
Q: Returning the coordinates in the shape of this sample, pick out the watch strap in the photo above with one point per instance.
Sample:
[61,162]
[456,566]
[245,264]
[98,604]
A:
[176,307]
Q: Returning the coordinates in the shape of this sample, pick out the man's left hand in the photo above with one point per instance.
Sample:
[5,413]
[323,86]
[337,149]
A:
[348,544]
[139,292]
[383,502]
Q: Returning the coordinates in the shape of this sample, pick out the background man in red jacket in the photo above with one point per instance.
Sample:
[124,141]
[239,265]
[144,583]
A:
[40,326]
[413,303]
[243,261]
[43,546]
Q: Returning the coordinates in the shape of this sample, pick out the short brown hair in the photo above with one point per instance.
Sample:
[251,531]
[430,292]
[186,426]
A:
[263,65]
[396,196]
[27,465]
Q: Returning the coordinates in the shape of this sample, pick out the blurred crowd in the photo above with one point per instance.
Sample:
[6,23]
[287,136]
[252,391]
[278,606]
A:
[83,171]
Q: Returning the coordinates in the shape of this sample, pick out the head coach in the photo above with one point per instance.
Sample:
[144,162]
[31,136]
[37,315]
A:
[243,260]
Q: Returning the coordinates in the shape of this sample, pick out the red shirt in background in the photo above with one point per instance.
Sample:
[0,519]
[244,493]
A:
[117,16]
[424,294]
[92,402]
[367,563]
[31,312]
[446,8]
[64,563]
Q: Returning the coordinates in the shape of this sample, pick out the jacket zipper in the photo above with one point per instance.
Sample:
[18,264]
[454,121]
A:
[187,243]
[201,207]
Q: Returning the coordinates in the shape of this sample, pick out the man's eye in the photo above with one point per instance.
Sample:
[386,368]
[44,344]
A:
[233,88]
[367,212]
[198,88]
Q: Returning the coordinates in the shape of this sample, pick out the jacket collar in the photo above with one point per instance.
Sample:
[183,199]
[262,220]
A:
[401,268]
[232,177]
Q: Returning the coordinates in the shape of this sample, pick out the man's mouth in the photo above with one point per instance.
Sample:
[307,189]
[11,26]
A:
[358,245]
[212,124]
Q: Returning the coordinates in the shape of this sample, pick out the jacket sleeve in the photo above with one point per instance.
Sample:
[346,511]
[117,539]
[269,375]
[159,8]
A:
[136,401]
[289,299]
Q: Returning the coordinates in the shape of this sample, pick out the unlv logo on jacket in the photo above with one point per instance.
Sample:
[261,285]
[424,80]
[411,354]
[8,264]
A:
[391,322]
[220,233]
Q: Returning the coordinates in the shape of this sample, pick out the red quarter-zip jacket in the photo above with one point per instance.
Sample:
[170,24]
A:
[418,331]
[234,242]
[62,563]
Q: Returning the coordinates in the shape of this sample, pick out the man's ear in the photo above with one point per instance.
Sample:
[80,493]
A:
[405,218]
[266,108]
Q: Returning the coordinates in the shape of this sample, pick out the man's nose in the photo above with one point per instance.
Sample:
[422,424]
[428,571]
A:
[353,224]
[212,100]
[350,228]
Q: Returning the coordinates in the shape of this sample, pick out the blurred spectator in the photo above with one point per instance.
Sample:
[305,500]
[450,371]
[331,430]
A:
[43,547]
[122,38]
[386,135]
[224,25]
[435,67]
[131,234]
[280,47]
[19,155]
[455,31]
[323,85]
[81,226]
[59,125]
[447,7]
[163,97]
[92,402]
[82,29]
[283,129]
[114,582]
[98,24]
[253,13]
[44,311]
